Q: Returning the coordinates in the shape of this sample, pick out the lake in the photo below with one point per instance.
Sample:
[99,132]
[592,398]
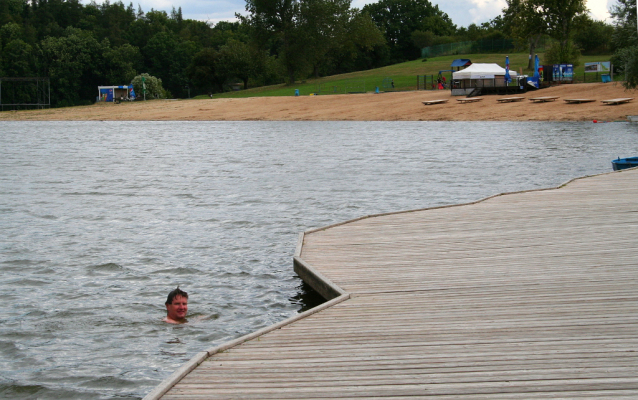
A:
[100,220]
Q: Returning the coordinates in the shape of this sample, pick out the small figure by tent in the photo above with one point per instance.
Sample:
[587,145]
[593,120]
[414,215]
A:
[441,81]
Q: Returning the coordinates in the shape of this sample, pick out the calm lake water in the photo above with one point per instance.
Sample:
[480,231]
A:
[100,220]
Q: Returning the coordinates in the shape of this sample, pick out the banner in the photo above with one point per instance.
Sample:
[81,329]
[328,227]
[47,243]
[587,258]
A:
[599,66]
[563,72]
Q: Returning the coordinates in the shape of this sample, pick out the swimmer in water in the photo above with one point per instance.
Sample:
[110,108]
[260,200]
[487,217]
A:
[176,307]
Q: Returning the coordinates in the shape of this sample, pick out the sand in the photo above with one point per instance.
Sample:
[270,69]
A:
[396,106]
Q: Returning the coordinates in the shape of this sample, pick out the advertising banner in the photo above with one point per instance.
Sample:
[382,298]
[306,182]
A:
[563,72]
[599,66]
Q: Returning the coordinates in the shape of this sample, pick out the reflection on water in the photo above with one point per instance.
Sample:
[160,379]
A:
[100,220]
[306,297]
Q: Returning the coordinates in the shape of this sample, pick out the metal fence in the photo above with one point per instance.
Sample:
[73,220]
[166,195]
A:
[473,47]
[24,93]
[431,82]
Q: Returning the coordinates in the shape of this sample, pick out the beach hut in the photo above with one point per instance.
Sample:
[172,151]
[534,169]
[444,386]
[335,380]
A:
[490,78]
[114,93]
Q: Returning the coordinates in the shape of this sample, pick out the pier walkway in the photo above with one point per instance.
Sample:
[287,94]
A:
[530,295]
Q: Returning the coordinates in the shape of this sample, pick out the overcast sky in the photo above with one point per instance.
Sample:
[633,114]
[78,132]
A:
[462,12]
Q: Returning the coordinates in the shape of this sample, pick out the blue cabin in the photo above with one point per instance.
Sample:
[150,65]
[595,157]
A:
[114,93]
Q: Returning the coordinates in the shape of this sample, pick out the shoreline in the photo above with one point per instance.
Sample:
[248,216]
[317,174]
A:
[388,106]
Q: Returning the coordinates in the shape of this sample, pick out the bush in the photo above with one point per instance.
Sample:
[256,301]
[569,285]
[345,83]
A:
[627,61]
[154,89]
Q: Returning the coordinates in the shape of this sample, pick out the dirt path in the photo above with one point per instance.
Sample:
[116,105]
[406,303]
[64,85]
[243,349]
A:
[400,106]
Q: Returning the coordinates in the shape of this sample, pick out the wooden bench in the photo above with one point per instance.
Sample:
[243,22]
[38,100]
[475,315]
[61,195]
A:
[470,99]
[431,102]
[509,99]
[614,102]
[543,99]
[578,101]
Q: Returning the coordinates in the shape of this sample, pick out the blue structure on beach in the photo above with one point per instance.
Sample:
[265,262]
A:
[113,93]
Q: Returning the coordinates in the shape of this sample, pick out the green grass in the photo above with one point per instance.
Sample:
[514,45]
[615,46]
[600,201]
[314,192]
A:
[404,76]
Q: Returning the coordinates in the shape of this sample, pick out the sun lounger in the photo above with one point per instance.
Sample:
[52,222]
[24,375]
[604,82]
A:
[543,99]
[613,102]
[470,99]
[578,101]
[431,102]
[509,99]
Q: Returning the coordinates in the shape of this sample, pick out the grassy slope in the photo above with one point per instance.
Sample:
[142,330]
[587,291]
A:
[404,76]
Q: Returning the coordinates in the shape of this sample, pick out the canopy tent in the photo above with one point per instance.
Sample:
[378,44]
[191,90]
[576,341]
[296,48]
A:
[482,71]
[484,79]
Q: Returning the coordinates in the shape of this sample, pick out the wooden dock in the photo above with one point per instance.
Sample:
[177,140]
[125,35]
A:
[531,295]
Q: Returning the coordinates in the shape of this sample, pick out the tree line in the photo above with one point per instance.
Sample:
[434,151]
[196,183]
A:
[80,47]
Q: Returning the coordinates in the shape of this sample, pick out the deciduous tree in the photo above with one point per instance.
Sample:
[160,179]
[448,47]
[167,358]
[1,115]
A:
[524,21]
[202,70]
[236,60]
[154,88]
[398,19]
[625,40]
[561,16]
[73,63]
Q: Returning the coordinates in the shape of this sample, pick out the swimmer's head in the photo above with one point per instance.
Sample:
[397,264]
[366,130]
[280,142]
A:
[176,307]
[175,293]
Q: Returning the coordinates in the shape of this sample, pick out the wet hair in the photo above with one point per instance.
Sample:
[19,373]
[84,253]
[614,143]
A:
[175,293]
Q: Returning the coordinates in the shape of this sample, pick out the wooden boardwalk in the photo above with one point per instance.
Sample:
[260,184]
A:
[530,295]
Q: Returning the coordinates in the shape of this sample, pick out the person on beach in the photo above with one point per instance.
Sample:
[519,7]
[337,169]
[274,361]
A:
[176,307]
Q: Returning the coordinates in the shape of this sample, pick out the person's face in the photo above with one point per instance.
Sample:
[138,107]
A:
[178,309]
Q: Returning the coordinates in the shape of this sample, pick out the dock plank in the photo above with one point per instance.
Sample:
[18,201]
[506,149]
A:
[528,295]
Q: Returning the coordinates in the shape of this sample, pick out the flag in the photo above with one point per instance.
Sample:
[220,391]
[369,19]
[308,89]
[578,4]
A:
[508,78]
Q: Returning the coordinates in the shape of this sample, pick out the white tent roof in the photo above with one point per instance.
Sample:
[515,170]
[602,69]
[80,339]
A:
[482,71]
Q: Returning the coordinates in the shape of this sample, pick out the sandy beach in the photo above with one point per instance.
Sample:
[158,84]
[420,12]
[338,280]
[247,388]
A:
[395,106]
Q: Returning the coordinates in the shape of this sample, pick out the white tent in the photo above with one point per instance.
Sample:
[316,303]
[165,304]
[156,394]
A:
[482,71]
